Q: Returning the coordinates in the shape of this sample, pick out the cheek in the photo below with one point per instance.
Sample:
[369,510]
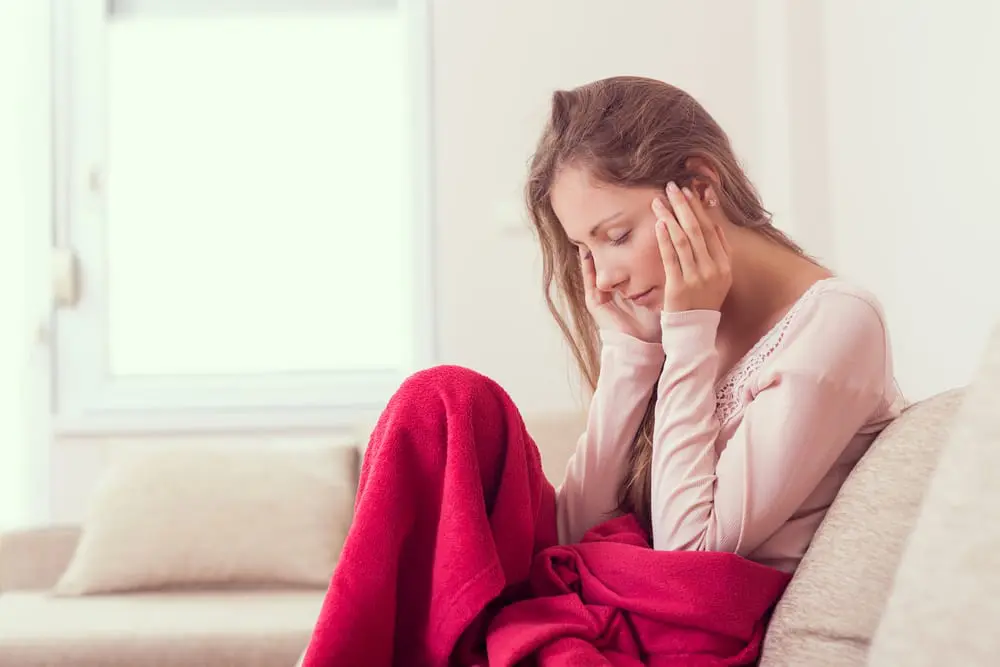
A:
[648,261]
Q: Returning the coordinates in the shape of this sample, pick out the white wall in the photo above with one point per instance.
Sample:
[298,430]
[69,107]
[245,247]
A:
[871,127]
[496,65]
[914,134]
[884,177]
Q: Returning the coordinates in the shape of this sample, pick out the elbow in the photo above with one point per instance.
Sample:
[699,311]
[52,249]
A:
[672,541]
[694,531]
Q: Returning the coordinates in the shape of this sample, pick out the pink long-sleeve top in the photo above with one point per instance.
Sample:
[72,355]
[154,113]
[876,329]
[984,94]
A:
[748,462]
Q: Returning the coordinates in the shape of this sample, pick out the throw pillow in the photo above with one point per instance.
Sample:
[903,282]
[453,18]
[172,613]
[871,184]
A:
[208,516]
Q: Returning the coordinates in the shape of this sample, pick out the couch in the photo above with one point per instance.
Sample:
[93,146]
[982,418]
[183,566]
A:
[903,570]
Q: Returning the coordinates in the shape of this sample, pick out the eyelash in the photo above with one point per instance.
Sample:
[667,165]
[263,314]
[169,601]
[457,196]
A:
[621,239]
[615,242]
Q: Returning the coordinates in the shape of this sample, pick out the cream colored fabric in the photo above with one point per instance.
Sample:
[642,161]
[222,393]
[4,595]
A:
[830,610]
[191,629]
[945,604]
[556,437]
[35,558]
[188,515]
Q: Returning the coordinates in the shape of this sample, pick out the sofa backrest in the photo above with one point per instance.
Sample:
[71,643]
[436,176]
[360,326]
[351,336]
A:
[555,434]
[945,603]
[833,604]
[34,558]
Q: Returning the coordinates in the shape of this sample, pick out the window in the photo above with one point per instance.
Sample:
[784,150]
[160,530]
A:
[25,217]
[243,190]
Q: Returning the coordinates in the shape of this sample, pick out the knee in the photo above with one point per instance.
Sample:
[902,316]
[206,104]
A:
[451,385]
[444,378]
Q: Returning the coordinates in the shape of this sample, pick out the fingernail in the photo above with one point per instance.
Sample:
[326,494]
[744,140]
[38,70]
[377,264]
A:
[688,193]
[672,187]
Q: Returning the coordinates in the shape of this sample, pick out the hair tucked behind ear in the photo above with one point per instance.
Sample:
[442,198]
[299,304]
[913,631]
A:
[632,132]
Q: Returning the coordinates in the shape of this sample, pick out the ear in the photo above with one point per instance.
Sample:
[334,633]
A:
[706,181]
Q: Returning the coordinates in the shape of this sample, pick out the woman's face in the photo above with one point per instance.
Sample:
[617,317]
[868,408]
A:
[614,225]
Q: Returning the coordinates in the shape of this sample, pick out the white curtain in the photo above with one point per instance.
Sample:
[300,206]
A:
[23,90]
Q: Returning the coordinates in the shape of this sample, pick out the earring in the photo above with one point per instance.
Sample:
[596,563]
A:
[712,202]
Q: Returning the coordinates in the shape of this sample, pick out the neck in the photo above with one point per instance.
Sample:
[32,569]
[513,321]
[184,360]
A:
[767,279]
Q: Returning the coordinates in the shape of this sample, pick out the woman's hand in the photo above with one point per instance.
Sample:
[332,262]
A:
[611,312]
[695,254]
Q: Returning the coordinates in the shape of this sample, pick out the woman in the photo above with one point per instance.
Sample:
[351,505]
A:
[772,376]
[736,382]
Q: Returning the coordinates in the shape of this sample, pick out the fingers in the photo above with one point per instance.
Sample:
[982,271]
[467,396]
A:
[668,250]
[695,253]
[684,248]
[676,249]
[589,271]
[714,237]
[691,224]
[701,245]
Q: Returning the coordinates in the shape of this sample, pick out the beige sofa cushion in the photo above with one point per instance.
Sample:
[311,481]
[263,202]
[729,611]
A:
[190,515]
[945,604]
[556,436]
[35,558]
[832,606]
[192,629]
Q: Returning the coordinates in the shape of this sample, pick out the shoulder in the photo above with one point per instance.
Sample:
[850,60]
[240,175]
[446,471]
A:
[838,308]
[837,328]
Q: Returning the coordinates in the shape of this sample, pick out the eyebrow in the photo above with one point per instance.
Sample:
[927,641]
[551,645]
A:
[610,218]
[601,223]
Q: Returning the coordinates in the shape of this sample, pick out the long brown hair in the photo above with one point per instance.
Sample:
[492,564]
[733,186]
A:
[632,132]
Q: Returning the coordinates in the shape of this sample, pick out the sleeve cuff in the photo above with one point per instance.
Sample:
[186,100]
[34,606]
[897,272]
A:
[612,338]
[689,329]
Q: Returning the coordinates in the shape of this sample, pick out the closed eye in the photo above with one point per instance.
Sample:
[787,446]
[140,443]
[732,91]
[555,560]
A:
[621,239]
[615,241]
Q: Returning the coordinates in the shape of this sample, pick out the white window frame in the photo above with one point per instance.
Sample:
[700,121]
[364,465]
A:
[87,399]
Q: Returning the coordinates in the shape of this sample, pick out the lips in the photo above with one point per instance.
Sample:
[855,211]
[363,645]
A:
[635,297]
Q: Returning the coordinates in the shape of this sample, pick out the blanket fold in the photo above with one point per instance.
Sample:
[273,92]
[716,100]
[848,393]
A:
[452,558]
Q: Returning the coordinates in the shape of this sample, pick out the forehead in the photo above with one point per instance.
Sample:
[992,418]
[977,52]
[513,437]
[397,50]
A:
[580,201]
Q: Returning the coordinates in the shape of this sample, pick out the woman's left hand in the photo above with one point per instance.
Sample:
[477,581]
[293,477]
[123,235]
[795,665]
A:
[695,253]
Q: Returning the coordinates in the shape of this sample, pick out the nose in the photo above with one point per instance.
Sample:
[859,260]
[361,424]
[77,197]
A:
[609,277]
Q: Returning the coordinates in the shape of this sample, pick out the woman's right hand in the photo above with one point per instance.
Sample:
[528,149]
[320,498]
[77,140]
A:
[611,312]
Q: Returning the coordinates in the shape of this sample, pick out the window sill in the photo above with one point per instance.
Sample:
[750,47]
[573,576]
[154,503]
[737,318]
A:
[344,422]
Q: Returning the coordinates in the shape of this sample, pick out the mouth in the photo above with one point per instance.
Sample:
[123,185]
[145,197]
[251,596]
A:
[640,295]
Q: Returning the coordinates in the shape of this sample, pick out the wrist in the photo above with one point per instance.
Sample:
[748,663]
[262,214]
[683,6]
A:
[615,339]
[686,329]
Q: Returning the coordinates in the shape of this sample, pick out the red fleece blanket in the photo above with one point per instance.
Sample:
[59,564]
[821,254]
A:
[452,558]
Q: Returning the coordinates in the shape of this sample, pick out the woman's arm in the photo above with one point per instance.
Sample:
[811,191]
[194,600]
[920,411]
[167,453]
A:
[589,492]
[814,393]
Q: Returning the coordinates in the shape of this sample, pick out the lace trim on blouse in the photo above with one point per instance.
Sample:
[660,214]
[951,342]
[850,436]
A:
[730,390]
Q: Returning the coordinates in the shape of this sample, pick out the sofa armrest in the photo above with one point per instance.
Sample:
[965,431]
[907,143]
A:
[35,558]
